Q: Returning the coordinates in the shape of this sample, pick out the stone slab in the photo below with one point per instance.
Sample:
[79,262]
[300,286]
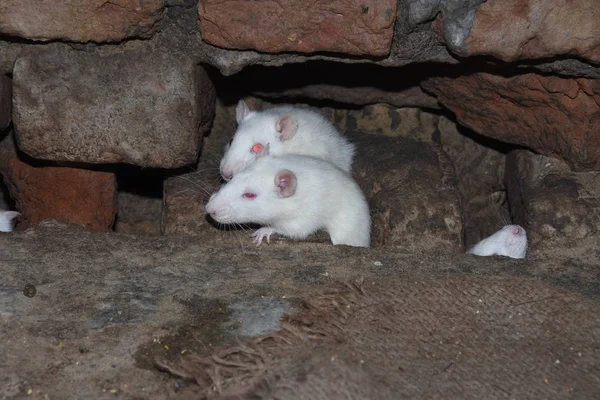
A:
[554,116]
[85,315]
[535,29]
[80,21]
[411,191]
[559,208]
[151,110]
[41,191]
[358,27]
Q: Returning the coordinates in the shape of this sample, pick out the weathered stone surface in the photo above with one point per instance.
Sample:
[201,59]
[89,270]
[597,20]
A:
[411,191]
[554,116]
[479,168]
[378,338]
[138,214]
[415,41]
[5,101]
[80,21]
[188,189]
[73,106]
[533,29]
[410,123]
[559,208]
[362,27]
[72,195]
[568,67]
[511,30]
[85,315]
[183,210]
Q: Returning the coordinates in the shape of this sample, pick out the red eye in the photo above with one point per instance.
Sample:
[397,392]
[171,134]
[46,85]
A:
[256,148]
[249,195]
[230,141]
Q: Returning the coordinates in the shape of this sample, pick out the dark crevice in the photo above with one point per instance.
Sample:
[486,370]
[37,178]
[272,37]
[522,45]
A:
[486,141]
[277,79]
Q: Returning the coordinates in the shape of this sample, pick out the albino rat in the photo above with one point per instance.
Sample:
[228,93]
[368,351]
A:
[510,241]
[294,196]
[287,130]
[7,220]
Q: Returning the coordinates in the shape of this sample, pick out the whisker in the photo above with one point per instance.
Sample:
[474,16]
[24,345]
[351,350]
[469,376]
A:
[239,237]
[195,184]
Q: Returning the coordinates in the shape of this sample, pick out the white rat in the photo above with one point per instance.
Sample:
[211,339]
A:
[510,241]
[287,130]
[294,196]
[7,220]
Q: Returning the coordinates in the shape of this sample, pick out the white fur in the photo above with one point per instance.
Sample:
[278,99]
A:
[316,137]
[510,241]
[7,220]
[325,198]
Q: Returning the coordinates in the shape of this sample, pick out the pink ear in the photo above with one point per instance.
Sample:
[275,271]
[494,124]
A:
[264,151]
[287,126]
[285,180]
[241,111]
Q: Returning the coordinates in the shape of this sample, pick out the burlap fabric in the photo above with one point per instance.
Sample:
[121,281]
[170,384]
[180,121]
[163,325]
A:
[440,337]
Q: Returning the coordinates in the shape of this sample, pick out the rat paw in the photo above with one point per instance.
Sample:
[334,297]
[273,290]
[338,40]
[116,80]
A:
[259,235]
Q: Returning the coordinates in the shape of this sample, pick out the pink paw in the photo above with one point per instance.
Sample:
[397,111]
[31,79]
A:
[259,235]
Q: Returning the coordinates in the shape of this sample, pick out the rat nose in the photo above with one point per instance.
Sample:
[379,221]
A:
[517,231]
[227,174]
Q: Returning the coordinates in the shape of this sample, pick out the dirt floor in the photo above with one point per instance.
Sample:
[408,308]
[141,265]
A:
[88,315]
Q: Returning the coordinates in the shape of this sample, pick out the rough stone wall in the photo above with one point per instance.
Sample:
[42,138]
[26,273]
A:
[136,82]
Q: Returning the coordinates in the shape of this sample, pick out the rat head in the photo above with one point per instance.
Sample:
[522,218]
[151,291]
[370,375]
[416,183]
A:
[514,241]
[255,132]
[260,193]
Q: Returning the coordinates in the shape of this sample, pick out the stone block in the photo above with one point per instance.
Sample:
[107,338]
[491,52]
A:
[150,110]
[81,20]
[356,27]
[411,191]
[524,29]
[554,116]
[559,208]
[73,195]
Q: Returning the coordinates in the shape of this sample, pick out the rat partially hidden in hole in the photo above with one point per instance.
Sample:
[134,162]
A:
[287,130]
[294,196]
[7,220]
[510,241]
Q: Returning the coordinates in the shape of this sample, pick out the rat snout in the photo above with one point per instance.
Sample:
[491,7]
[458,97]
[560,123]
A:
[225,168]
[219,211]
[517,231]
[210,207]
[230,168]
[227,172]
[227,175]
[211,210]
